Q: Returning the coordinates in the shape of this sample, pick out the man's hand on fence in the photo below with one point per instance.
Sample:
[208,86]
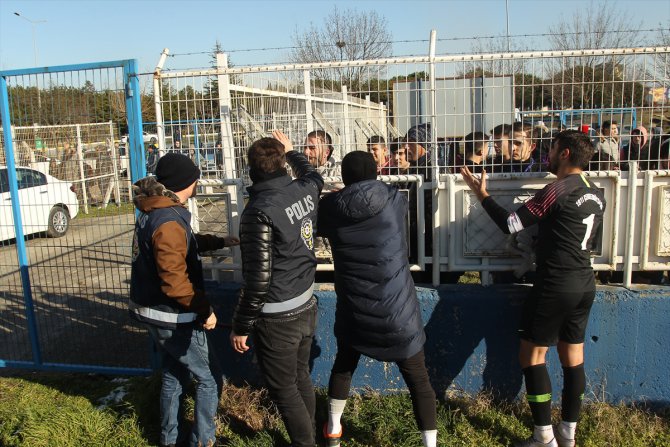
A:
[477,185]
[239,342]
[231,241]
[283,139]
[210,323]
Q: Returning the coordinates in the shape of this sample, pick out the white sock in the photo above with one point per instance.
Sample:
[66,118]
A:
[335,410]
[543,433]
[567,429]
[429,438]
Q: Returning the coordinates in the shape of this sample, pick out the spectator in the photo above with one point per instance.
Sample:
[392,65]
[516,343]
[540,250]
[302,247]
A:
[278,265]
[218,155]
[418,140]
[152,158]
[383,323]
[167,294]
[522,149]
[377,147]
[399,163]
[475,146]
[637,149]
[543,138]
[659,152]
[319,151]
[501,136]
[176,146]
[419,143]
[607,149]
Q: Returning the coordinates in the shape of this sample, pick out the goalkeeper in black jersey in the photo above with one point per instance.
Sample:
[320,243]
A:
[569,214]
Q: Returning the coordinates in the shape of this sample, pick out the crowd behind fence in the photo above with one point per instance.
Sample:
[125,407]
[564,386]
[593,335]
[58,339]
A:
[465,99]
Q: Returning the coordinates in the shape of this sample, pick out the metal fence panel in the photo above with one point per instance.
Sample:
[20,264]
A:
[465,99]
[64,177]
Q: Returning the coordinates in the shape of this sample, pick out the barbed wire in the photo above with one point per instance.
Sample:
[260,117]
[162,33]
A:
[445,39]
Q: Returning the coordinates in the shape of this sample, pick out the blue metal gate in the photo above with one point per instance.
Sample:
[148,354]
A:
[66,217]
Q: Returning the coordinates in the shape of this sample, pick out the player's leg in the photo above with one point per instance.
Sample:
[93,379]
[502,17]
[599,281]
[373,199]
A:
[538,390]
[571,354]
[539,328]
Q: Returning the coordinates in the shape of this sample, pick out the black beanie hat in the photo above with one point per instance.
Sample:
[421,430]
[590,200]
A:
[176,172]
[358,166]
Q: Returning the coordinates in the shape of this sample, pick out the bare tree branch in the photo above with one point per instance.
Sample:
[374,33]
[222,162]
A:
[344,35]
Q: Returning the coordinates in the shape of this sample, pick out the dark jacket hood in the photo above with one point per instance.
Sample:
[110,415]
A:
[362,200]
[149,194]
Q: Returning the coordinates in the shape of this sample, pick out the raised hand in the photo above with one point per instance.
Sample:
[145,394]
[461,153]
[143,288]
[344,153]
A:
[477,185]
[283,139]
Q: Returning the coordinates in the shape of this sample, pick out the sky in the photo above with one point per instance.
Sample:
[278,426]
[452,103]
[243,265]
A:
[102,30]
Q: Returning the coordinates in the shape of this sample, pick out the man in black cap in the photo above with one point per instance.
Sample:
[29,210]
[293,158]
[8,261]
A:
[377,309]
[419,144]
[167,295]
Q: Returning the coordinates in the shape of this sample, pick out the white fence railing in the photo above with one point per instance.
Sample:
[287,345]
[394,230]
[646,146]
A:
[83,154]
[636,230]
[502,109]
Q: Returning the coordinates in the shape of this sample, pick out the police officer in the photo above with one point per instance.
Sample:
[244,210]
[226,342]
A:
[277,303]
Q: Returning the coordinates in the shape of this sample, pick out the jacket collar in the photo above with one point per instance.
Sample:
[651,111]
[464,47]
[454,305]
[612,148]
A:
[268,185]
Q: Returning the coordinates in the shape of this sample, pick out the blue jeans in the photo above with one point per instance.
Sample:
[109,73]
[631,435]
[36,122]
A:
[185,353]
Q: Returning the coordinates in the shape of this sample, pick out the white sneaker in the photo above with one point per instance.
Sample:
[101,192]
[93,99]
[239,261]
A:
[532,442]
[563,442]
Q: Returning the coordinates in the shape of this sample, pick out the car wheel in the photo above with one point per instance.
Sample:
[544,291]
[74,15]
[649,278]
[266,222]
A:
[59,221]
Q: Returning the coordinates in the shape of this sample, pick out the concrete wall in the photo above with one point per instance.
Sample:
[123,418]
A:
[472,343]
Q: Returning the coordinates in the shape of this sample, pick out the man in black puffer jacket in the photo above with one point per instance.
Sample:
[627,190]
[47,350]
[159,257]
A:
[278,265]
[377,312]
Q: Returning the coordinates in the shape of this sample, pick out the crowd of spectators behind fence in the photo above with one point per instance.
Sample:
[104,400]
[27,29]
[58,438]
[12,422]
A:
[514,148]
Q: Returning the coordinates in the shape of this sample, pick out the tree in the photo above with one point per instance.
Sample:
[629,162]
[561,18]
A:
[497,45]
[344,35]
[599,26]
[664,37]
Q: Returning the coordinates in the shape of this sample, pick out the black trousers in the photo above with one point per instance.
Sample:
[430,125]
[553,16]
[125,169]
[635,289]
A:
[283,347]
[413,370]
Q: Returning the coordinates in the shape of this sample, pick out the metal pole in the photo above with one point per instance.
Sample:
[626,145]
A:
[630,224]
[33,23]
[507,18]
[138,167]
[160,125]
[21,251]
[225,106]
[435,168]
[309,112]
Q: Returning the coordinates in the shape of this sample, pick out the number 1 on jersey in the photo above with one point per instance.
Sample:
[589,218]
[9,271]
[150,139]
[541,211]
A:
[589,227]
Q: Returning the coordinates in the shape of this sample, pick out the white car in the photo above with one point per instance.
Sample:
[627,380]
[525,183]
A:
[147,137]
[47,204]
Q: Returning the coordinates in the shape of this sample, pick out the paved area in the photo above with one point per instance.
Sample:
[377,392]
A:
[80,286]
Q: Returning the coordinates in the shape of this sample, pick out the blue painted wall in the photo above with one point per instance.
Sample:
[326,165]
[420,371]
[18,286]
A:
[472,343]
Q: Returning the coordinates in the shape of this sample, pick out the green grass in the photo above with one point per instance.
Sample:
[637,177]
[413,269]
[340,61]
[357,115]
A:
[37,415]
[111,210]
[60,410]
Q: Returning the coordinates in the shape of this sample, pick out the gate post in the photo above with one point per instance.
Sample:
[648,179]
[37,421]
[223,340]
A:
[225,104]
[138,168]
[21,252]
[436,171]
